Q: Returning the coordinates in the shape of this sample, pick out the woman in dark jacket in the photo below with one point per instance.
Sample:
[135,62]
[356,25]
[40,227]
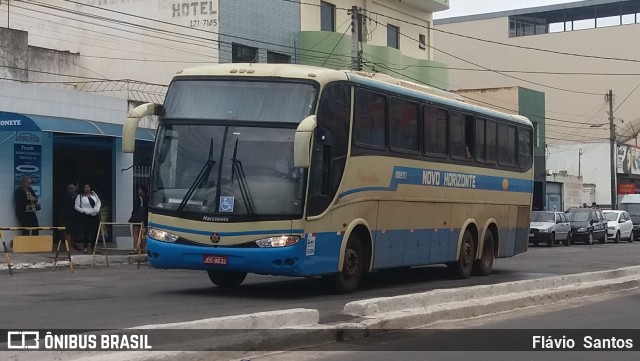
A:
[70,218]
[140,214]
[26,206]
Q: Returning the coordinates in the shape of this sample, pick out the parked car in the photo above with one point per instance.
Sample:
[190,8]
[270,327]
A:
[587,225]
[619,226]
[549,227]
[631,204]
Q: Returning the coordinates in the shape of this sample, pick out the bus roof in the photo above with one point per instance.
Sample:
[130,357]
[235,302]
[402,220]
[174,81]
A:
[325,75]
[416,90]
[294,71]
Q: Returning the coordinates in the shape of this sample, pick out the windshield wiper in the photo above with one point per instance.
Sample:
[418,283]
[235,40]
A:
[242,180]
[204,174]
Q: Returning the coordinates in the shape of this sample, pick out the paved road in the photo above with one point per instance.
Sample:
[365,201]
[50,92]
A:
[605,315]
[125,297]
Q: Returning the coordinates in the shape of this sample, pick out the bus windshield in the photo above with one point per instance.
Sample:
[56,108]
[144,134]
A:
[226,170]
[267,101]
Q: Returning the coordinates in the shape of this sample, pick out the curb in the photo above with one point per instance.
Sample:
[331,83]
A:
[296,317]
[80,260]
[374,306]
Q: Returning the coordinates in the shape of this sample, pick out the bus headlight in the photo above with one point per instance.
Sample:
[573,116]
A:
[163,236]
[280,241]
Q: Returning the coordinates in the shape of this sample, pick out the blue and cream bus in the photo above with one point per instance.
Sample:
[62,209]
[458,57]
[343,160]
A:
[282,169]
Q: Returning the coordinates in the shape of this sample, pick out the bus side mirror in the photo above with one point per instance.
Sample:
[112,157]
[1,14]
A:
[131,124]
[302,142]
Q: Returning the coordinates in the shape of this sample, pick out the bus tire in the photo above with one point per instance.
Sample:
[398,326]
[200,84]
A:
[226,279]
[482,267]
[348,279]
[463,266]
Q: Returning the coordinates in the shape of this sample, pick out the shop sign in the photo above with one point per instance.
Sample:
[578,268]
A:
[626,188]
[27,159]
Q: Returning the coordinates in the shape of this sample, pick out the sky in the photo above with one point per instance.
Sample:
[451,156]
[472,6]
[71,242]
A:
[473,7]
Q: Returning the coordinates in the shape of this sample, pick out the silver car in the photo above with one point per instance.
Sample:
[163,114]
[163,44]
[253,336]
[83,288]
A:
[549,227]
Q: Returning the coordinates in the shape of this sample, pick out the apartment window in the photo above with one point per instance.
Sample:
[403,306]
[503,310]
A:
[422,42]
[327,16]
[277,58]
[393,36]
[244,54]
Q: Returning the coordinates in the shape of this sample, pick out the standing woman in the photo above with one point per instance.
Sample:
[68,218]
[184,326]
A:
[88,205]
[140,214]
[26,206]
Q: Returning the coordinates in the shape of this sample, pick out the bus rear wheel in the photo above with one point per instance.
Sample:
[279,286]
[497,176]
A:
[348,279]
[482,267]
[226,279]
[462,268]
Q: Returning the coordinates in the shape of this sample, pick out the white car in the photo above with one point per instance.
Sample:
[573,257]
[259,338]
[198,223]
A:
[619,225]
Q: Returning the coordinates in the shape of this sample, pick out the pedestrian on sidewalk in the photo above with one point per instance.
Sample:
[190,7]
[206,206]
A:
[139,215]
[26,206]
[88,204]
[70,218]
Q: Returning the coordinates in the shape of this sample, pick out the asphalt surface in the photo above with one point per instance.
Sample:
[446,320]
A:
[124,296]
[608,315]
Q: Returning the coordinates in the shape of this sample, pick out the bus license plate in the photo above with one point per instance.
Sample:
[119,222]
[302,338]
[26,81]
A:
[217,260]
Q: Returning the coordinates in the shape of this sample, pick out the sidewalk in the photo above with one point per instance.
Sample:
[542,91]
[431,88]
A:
[21,261]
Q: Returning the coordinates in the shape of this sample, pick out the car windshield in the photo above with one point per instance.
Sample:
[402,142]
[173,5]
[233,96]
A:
[578,216]
[611,216]
[542,217]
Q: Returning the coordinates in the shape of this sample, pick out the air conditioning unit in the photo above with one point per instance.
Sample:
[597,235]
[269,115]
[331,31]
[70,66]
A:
[549,171]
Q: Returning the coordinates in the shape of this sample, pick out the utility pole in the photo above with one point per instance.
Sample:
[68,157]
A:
[356,38]
[580,153]
[612,151]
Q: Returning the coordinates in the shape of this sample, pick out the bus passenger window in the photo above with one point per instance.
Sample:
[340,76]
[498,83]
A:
[370,122]
[435,130]
[457,138]
[469,136]
[403,132]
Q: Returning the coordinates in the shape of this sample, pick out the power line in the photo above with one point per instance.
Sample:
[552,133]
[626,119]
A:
[506,44]
[495,71]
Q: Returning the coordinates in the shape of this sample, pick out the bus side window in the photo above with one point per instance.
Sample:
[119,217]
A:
[525,156]
[469,136]
[370,124]
[403,131]
[330,146]
[435,130]
[457,136]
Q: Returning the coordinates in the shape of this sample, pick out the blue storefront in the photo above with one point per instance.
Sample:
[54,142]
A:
[56,151]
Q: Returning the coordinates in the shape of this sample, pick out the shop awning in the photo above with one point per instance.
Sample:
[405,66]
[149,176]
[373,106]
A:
[90,127]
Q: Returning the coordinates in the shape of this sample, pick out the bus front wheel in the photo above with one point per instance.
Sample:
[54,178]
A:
[348,279]
[226,279]
[462,268]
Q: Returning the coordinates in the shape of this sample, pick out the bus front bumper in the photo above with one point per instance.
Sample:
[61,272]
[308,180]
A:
[284,261]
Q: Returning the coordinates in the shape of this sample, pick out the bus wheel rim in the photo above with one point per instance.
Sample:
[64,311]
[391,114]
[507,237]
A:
[350,263]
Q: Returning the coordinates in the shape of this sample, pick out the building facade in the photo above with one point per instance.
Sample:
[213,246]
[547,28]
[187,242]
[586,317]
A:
[71,71]
[575,53]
